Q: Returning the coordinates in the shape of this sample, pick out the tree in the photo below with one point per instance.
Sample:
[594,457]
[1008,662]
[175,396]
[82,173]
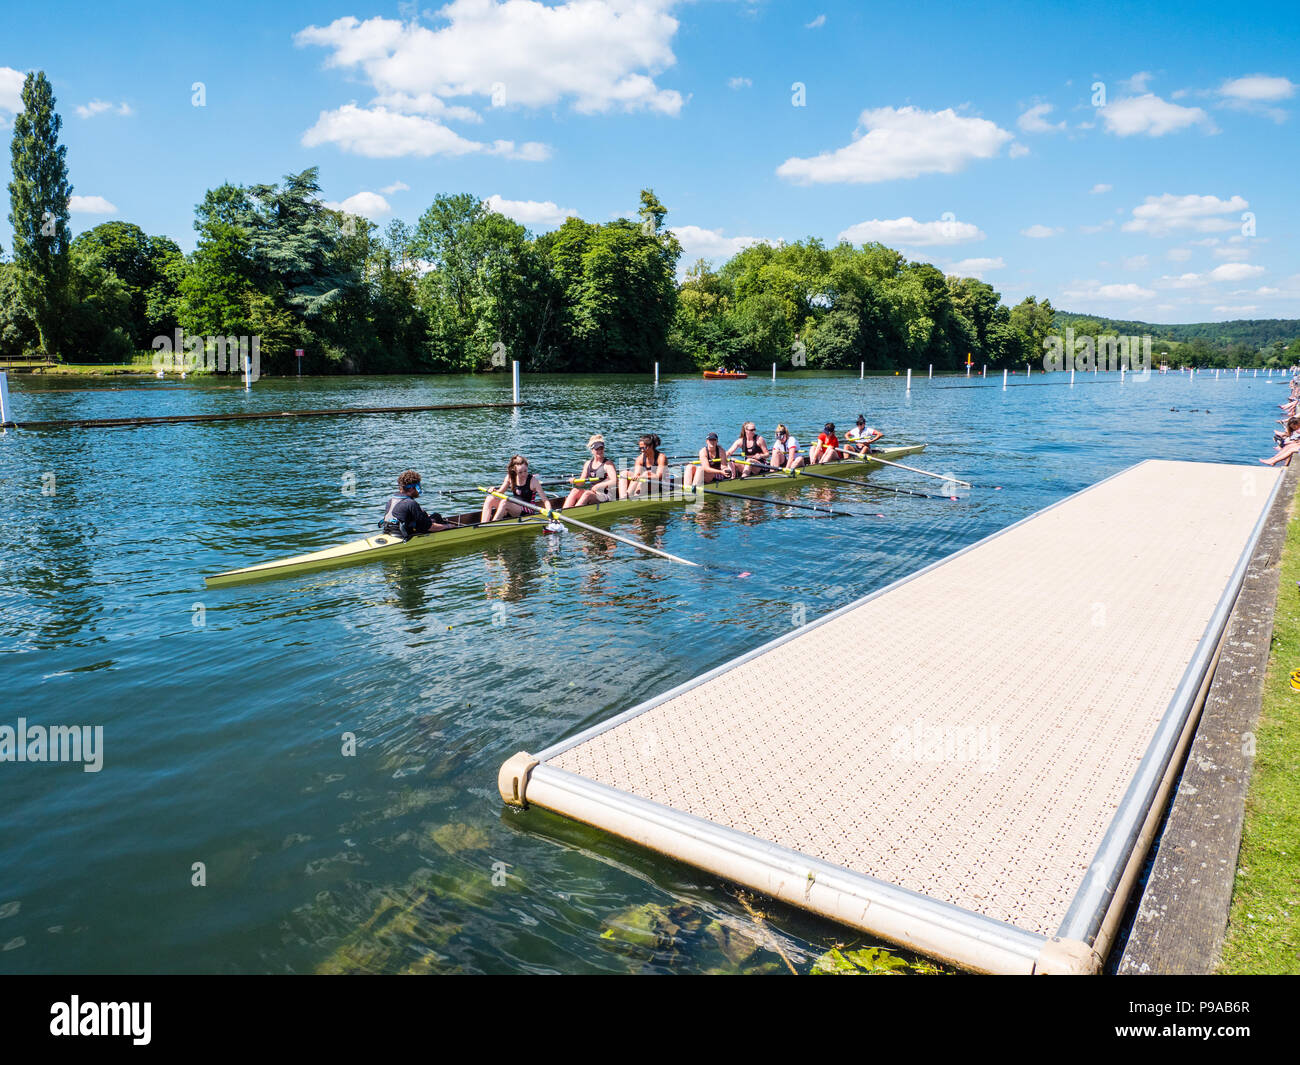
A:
[149,267]
[38,212]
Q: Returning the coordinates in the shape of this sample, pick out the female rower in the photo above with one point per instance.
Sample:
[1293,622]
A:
[827,448]
[714,465]
[649,475]
[520,486]
[858,440]
[598,481]
[753,449]
[785,452]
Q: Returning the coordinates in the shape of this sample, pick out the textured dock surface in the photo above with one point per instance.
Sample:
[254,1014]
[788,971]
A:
[968,734]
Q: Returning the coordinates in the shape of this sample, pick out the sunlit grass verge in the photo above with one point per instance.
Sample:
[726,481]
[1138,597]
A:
[1264,924]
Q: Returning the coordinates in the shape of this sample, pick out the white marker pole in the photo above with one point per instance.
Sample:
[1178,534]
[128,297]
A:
[931,377]
[862,371]
[656,373]
[773,371]
[1004,380]
[1071,376]
[6,415]
[1122,371]
[909,379]
[248,375]
[1029,369]
[984,370]
[515,364]
[1238,377]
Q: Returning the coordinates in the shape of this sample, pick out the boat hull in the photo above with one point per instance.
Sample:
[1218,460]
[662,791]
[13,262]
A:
[383,547]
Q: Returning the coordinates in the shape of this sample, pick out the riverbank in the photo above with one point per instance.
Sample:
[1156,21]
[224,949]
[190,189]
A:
[1263,933]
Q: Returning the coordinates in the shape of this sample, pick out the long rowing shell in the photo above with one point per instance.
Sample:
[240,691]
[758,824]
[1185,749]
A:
[469,531]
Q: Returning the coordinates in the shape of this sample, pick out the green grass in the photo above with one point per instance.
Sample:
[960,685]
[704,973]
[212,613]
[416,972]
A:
[1264,924]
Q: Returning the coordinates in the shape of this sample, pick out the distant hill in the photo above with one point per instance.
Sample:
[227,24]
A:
[1255,333]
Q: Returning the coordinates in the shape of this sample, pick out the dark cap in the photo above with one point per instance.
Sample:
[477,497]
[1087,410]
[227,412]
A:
[862,420]
[712,436]
[830,427]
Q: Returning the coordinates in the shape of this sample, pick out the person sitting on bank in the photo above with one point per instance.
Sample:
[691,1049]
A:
[404,516]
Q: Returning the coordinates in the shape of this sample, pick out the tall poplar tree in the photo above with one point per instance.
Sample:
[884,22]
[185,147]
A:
[38,212]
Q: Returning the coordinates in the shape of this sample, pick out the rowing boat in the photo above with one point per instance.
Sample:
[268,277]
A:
[469,531]
[718,375]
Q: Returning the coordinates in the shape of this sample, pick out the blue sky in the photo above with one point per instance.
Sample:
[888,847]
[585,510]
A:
[1133,164]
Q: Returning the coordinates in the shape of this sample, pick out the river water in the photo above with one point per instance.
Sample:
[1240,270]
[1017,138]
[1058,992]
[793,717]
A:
[224,712]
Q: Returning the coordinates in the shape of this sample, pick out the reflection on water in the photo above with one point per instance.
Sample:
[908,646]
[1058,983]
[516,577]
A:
[227,742]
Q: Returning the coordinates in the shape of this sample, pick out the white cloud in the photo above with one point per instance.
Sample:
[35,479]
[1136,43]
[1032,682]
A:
[1151,115]
[90,205]
[739,83]
[1235,252]
[1138,82]
[382,134]
[699,243]
[396,186]
[908,232]
[366,204]
[1257,88]
[1017,150]
[1181,281]
[11,89]
[1161,215]
[1099,188]
[1240,309]
[531,212]
[1038,232]
[425,103]
[975,268]
[1136,262]
[1255,93]
[1234,272]
[1108,224]
[903,142]
[598,54]
[1095,290]
[1035,120]
[816,23]
[99,107]
[1178,255]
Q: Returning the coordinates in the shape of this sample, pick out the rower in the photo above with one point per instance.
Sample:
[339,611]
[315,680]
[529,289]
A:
[827,448]
[714,465]
[753,448]
[859,439]
[519,487]
[649,475]
[598,481]
[785,451]
[404,516]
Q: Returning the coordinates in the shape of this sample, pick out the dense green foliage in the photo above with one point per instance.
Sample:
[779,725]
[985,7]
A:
[38,213]
[467,289]
[1271,342]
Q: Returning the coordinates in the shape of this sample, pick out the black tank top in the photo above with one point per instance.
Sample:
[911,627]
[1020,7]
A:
[525,491]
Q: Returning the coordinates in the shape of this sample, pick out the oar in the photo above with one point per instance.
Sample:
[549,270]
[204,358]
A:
[830,512]
[552,514]
[802,471]
[871,457]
